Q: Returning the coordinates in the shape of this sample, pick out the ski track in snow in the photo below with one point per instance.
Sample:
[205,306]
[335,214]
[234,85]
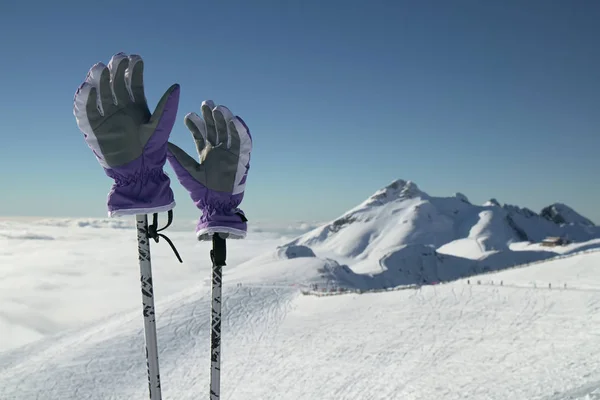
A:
[453,341]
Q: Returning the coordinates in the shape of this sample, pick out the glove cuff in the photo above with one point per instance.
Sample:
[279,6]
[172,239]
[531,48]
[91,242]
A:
[231,222]
[147,191]
[206,233]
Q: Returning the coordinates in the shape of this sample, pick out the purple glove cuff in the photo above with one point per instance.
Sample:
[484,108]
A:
[148,191]
[214,221]
[219,214]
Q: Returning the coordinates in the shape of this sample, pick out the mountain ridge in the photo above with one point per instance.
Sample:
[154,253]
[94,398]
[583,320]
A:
[402,231]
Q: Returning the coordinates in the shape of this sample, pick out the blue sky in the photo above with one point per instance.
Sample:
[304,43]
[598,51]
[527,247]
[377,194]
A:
[492,99]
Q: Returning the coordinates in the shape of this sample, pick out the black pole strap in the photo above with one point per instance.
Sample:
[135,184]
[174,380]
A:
[218,254]
[153,232]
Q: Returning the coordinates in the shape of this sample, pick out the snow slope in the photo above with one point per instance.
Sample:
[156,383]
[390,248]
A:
[58,274]
[451,341]
[70,323]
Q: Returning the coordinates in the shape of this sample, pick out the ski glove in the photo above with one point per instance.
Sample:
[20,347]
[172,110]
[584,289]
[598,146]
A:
[130,143]
[216,184]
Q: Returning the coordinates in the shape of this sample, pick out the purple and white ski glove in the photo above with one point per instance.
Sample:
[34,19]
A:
[130,143]
[216,184]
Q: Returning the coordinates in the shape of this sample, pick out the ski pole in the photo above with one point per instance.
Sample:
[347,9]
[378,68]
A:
[218,254]
[148,306]
[144,234]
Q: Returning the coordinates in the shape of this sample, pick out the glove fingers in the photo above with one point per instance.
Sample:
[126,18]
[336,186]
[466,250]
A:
[222,116]
[185,167]
[239,131]
[85,109]
[117,66]
[134,80]
[245,138]
[99,77]
[234,137]
[211,129]
[197,127]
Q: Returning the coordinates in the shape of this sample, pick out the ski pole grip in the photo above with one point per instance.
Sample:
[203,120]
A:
[218,254]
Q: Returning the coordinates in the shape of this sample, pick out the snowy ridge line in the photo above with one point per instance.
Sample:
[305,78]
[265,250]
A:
[558,257]
[534,285]
[283,285]
[331,291]
[340,290]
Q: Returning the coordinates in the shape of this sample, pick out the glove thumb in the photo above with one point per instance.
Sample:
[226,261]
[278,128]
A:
[156,132]
[188,170]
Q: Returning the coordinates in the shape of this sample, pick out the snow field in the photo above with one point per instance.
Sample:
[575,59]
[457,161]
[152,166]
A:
[71,325]
[451,341]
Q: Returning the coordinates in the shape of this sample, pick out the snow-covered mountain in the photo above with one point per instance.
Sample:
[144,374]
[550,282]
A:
[61,286]
[563,214]
[401,228]
[71,322]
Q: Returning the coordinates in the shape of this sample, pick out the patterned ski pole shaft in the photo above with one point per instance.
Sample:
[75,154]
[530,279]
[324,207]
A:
[218,255]
[148,307]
